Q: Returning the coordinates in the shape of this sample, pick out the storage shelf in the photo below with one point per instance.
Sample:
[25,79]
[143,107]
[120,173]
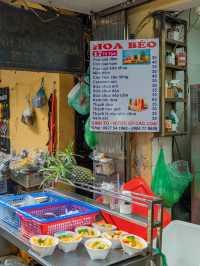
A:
[174,67]
[163,22]
[174,100]
[174,20]
[176,43]
[175,134]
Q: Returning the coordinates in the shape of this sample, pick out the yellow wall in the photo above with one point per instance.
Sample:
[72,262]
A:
[66,113]
[23,83]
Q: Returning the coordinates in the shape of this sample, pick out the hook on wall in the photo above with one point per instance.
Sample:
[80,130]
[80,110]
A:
[54,87]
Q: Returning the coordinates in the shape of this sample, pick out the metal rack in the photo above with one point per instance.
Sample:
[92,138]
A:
[138,199]
[80,257]
[116,257]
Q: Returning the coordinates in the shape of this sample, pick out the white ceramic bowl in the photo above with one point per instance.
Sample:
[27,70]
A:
[44,251]
[68,246]
[98,254]
[132,250]
[116,243]
[102,228]
[96,231]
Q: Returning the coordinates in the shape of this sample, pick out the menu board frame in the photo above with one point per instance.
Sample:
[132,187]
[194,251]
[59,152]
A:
[124,79]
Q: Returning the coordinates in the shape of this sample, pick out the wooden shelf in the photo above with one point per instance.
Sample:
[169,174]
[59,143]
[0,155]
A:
[168,134]
[163,21]
[174,20]
[175,100]
[177,68]
[176,43]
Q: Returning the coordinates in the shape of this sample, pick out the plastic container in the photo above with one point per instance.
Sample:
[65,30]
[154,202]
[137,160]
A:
[114,201]
[125,207]
[180,244]
[116,242]
[108,187]
[65,216]
[10,204]
[102,227]
[44,251]
[28,180]
[103,165]
[98,254]
[131,250]
[68,246]
[97,233]
[173,35]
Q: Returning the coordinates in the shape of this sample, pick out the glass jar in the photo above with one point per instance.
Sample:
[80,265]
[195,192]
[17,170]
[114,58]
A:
[105,187]
[115,201]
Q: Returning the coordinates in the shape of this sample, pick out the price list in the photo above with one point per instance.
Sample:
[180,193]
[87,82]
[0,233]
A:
[124,86]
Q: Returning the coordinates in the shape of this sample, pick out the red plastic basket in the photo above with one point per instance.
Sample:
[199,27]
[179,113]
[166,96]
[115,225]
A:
[30,228]
[32,223]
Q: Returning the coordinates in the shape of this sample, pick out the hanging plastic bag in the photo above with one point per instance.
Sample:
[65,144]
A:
[79,96]
[169,181]
[90,137]
[161,182]
[28,114]
[40,99]
[180,176]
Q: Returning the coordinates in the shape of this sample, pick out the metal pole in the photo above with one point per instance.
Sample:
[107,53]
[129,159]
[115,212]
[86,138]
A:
[150,227]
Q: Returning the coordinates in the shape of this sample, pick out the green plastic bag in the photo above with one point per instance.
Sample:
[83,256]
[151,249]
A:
[90,137]
[170,181]
[79,96]
[163,257]
[180,176]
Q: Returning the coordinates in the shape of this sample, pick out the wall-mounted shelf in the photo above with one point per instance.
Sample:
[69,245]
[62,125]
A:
[177,68]
[176,43]
[168,134]
[167,26]
[175,100]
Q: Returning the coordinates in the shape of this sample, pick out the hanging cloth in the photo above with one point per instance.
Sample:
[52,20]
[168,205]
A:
[52,122]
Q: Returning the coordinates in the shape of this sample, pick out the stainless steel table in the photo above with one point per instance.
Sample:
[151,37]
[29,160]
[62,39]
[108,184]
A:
[77,258]
[80,257]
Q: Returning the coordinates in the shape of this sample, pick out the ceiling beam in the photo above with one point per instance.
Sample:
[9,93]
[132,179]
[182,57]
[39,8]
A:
[125,5]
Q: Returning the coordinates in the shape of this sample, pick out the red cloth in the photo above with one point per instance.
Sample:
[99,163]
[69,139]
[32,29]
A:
[52,123]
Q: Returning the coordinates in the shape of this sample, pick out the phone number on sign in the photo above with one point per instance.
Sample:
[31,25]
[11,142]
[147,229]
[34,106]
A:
[124,123]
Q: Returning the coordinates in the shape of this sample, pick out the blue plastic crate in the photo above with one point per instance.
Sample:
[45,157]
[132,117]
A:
[8,205]
[59,210]
[64,216]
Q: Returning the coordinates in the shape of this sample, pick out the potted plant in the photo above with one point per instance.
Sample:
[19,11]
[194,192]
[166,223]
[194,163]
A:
[63,166]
